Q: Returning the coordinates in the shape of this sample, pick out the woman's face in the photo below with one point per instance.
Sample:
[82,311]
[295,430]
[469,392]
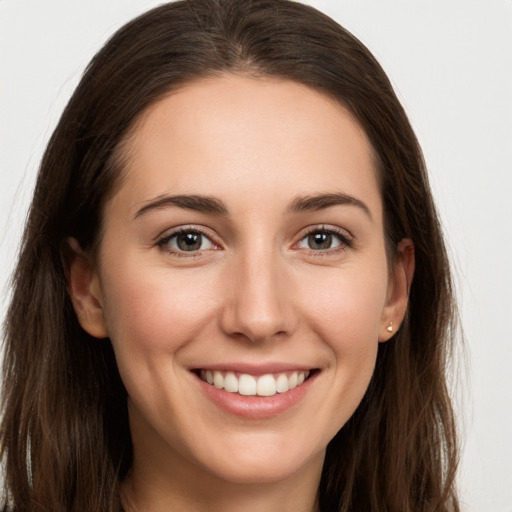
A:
[245,245]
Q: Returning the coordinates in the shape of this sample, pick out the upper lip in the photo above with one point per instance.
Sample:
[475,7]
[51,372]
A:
[255,369]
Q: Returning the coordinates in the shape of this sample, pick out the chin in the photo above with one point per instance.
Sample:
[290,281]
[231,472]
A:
[262,458]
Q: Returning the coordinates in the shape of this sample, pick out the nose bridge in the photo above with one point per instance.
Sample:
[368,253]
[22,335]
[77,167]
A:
[258,306]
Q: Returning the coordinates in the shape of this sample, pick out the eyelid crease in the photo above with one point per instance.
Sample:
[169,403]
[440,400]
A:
[184,228]
[345,234]
[162,240]
[347,240]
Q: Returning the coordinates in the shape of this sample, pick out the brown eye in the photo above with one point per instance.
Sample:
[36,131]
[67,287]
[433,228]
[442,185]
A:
[320,241]
[187,241]
[323,240]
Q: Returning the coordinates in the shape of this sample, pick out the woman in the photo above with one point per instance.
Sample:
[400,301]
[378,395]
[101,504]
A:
[233,292]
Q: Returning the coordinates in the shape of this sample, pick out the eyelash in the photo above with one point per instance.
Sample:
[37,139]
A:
[345,241]
[163,243]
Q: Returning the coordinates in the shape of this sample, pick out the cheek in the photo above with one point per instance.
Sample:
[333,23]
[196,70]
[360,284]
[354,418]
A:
[350,329]
[346,317]
[153,311]
[348,312]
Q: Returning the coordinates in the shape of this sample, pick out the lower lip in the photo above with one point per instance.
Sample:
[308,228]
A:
[256,407]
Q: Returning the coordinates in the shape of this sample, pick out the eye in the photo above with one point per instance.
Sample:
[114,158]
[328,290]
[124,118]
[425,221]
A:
[186,240]
[323,240]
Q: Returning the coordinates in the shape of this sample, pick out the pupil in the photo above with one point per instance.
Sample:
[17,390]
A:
[320,241]
[189,241]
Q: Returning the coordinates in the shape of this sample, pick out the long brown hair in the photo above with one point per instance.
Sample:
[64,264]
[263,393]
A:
[65,439]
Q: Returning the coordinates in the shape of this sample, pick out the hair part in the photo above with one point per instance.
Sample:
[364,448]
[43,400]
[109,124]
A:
[65,437]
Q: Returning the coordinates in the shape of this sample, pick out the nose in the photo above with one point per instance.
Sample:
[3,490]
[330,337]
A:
[259,303]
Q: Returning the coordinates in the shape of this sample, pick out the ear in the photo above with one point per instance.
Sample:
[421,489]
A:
[84,290]
[398,290]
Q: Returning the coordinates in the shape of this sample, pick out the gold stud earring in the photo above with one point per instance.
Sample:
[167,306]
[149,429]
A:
[389,328]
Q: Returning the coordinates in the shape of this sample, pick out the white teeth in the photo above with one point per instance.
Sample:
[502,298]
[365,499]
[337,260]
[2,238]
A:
[292,381]
[231,382]
[248,385]
[266,386]
[218,380]
[282,383]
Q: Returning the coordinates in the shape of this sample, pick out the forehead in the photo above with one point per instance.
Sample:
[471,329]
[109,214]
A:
[247,135]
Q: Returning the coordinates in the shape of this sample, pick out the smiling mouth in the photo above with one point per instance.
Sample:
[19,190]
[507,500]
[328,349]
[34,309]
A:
[250,385]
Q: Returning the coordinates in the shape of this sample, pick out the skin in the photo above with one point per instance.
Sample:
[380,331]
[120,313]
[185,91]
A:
[256,291]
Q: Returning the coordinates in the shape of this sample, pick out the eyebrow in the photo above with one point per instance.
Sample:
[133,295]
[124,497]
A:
[323,201]
[198,203]
[208,204]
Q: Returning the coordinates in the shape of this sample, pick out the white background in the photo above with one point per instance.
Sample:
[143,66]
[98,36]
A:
[451,64]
